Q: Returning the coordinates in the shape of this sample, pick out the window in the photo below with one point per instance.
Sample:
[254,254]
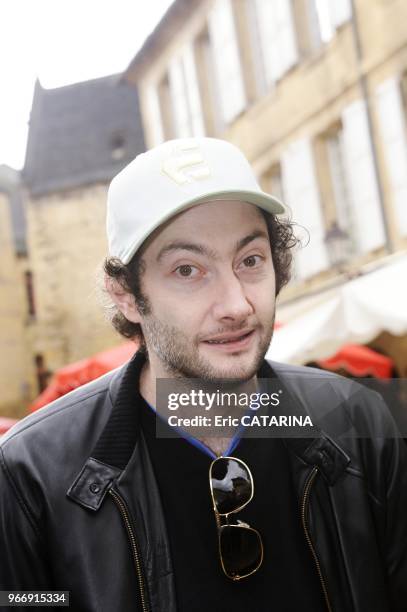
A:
[118,147]
[277,37]
[153,112]
[325,26]
[362,179]
[43,374]
[302,196]
[330,15]
[166,110]
[185,97]
[335,190]
[391,110]
[206,80]
[226,60]
[272,182]
[29,289]
[334,144]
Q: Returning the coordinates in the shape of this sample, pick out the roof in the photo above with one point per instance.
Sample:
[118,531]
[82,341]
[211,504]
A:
[162,34]
[10,183]
[81,134]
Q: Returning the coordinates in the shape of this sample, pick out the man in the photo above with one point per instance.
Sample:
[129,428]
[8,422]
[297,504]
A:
[94,503]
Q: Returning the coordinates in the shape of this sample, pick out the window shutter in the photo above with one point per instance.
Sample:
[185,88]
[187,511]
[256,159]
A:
[313,23]
[340,12]
[364,191]
[186,103]
[154,115]
[277,36]
[192,88]
[301,194]
[179,99]
[393,130]
[226,60]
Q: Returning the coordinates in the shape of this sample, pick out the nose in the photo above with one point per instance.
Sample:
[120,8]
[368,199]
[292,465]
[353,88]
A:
[231,302]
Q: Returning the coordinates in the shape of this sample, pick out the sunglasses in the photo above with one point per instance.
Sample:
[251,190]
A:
[240,546]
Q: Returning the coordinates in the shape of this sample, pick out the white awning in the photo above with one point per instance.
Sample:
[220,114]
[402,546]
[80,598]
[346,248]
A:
[356,312]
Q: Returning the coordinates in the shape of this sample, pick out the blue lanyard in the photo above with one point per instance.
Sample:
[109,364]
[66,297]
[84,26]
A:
[197,443]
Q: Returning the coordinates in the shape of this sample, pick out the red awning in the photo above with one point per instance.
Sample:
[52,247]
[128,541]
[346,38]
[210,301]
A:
[76,374]
[5,424]
[360,361]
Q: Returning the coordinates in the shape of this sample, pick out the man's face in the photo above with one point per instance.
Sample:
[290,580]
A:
[209,279]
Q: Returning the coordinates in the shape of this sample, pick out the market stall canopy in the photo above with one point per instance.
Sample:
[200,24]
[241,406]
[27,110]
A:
[5,424]
[76,374]
[356,312]
[359,361]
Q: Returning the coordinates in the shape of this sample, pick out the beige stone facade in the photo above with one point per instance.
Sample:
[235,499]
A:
[67,243]
[15,367]
[315,94]
[50,311]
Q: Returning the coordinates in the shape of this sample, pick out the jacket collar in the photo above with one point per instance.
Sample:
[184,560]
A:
[320,450]
[116,444]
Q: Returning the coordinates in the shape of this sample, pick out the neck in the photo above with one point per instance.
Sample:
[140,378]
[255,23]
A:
[152,369]
[217,443]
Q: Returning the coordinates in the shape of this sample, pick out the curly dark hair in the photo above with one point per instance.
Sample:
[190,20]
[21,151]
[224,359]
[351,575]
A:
[282,242]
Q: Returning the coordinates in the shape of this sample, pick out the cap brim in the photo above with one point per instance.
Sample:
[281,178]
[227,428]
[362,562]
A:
[258,198]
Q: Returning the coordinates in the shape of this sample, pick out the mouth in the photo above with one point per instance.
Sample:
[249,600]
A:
[231,343]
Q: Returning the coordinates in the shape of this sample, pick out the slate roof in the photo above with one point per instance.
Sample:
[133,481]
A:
[10,184]
[81,134]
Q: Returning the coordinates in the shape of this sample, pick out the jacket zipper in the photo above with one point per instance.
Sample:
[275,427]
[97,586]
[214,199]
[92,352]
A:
[305,500]
[134,547]
[123,511]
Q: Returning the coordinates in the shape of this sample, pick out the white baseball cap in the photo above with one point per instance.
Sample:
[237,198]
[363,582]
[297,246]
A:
[172,177]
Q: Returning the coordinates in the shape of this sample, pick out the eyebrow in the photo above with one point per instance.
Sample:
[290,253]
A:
[201,249]
[247,239]
[178,245]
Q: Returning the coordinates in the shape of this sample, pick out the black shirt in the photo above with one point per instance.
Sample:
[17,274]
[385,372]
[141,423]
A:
[287,579]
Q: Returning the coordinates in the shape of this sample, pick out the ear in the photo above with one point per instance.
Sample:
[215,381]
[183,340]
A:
[124,301]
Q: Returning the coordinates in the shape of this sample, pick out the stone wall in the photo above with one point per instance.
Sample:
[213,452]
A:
[15,370]
[67,244]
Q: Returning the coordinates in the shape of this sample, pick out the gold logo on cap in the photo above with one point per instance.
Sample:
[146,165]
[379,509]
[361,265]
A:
[186,164]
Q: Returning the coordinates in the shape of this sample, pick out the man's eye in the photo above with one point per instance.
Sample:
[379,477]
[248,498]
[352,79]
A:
[252,261]
[186,270]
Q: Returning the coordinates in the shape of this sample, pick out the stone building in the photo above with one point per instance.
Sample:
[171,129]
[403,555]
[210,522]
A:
[80,136]
[15,304]
[314,92]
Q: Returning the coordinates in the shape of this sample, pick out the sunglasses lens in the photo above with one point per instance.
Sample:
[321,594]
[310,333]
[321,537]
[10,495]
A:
[231,484]
[241,550]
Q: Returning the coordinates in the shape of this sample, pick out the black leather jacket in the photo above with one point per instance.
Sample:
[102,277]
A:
[80,510]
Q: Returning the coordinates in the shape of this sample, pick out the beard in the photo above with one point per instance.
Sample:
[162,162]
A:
[180,357]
